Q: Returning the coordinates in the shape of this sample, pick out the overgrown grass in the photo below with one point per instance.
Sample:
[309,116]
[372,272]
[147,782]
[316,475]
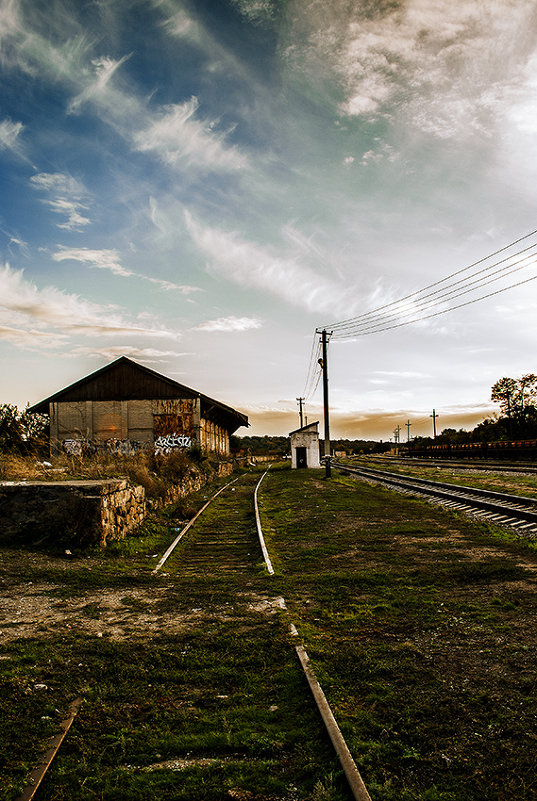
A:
[231,697]
[421,629]
[217,710]
[420,625]
[156,473]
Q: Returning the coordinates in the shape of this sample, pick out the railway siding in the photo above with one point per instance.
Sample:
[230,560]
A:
[212,704]
[421,627]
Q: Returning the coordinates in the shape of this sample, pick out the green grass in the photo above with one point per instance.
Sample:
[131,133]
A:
[421,631]
[223,694]
[420,625]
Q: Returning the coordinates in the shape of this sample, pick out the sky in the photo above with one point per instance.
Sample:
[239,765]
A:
[201,185]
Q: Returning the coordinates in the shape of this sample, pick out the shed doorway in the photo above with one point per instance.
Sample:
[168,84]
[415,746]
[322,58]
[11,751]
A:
[301,457]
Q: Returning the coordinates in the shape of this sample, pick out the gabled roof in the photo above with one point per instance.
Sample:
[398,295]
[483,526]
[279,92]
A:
[309,427]
[124,379]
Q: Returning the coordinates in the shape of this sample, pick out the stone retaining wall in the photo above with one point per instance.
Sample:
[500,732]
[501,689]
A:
[81,513]
[193,482]
[69,512]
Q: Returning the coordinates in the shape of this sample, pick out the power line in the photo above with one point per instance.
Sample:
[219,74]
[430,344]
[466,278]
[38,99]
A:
[435,314]
[310,376]
[381,322]
[460,288]
[352,320]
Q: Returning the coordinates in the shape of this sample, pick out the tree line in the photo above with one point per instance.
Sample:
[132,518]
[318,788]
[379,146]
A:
[516,420]
[24,432]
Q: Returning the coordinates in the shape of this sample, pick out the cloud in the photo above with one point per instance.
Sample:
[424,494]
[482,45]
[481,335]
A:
[177,137]
[402,373]
[431,63]
[174,133]
[257,11]
[249,265]
[115,351]
[111,260]
[101,259]
[230,324]
[67,197]
[97,87]
[376,424]
[54,313]
[31,338]
[9,135]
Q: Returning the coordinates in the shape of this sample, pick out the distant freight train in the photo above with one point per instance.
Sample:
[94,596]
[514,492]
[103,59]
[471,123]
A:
[520,449]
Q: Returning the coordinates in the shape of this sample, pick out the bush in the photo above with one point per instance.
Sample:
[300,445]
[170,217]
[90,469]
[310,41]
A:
[22,432]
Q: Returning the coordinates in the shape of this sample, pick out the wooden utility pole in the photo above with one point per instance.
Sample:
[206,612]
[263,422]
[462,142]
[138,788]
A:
[435,418]
[300,402]
[324,364]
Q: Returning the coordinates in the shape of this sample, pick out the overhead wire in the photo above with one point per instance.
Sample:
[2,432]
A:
[422,304]
[469,284]
[314,371]
[438,313]
[382,321]
[417,305]
[310,365]
[440,281]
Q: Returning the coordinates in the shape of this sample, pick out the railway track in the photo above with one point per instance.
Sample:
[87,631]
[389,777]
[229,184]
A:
[223,550]
[515,511]
[230,548]
[467,464]
[207,692]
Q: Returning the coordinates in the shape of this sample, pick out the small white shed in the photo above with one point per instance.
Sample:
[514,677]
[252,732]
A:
[305,446]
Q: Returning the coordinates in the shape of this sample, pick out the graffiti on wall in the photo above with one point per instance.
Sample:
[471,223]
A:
[171,442]
[73,447]
[86,447]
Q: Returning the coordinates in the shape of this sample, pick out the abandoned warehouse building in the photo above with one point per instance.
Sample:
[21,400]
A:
[125,407]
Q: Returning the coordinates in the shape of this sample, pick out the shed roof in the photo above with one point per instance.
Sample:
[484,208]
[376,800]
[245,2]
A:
[124,379]
[309,427]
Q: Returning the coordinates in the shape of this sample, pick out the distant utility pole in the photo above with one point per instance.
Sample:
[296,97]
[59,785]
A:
[324,365]
[408,424]
[435,418]
[300,402]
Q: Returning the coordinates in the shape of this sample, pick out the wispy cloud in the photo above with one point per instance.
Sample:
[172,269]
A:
[176,134]
[67,196]
[31,338]
[111,260]
[230,324]
[97,87]
[114,352]
[9,135]
[54,313]
[257,11]
[100,259]
[249,265]
[178,137]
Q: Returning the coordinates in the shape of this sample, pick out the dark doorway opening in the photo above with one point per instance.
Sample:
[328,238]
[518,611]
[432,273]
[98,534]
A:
[301,457]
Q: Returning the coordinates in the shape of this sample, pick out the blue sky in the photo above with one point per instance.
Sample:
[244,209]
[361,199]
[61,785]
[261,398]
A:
[200,185]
